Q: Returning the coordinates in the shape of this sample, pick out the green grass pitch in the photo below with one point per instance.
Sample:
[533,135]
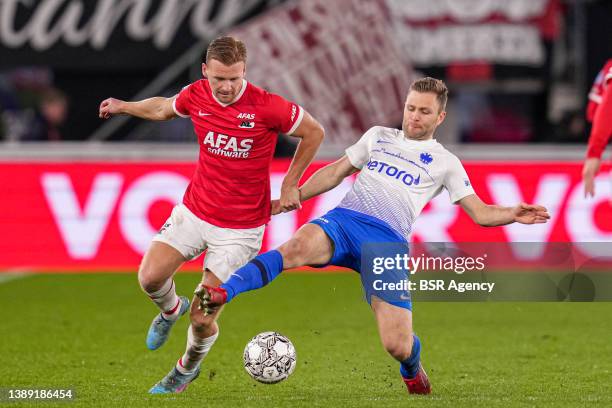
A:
[87,332]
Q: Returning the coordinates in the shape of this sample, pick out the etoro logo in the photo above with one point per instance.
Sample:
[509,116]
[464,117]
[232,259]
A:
[228,146]
[394,172]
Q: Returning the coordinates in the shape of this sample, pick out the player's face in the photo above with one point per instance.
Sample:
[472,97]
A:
[225,80]
[421,115]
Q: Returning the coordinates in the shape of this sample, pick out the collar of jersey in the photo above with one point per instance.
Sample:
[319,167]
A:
[242,89]
[419,143]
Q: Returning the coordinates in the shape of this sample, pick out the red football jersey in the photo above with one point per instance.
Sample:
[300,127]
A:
[598,88]
[231,185]
[599,112]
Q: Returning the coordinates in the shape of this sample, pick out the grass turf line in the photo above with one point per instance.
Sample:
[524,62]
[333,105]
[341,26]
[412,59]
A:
[87,332]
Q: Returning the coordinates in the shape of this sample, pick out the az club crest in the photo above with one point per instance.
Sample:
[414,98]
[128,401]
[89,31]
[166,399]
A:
[247,125]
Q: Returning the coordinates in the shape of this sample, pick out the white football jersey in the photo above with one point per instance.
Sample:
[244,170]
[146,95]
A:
[400,176]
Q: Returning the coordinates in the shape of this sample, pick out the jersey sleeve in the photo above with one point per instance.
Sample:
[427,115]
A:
[359,153]
[285,116]
[608,73]
[182,103]
[599,112]
[602,127]
[599,88]
[456,180]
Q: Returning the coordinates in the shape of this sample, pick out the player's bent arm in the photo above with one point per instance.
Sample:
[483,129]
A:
[494,215]
[327,178]
[311,134]
[157,108]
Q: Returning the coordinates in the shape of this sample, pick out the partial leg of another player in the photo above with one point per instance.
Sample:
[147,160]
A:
[156,279]
[395,329]
[203,331]
[201,335]
[308,246]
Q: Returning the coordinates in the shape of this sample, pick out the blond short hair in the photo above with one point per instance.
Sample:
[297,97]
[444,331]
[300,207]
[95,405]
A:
[432,85]
[227,50]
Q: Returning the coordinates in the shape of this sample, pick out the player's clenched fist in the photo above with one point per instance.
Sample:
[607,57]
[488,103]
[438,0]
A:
[276,208]
[290,199]
[110,107]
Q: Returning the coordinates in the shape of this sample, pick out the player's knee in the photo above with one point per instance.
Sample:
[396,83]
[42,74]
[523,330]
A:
[293,252]
[147,279]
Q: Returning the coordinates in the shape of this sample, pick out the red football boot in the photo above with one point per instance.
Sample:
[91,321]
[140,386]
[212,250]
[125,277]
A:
[419,384]
[211,298]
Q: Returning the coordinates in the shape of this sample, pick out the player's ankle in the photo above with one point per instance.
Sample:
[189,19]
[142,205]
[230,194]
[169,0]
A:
[180,367]
[173,313]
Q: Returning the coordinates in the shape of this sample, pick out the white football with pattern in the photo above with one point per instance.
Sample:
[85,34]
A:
[269,357]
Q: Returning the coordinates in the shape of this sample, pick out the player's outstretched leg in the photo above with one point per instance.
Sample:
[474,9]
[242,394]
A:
[395,329]
[155,277]
[309,246]
[255,274]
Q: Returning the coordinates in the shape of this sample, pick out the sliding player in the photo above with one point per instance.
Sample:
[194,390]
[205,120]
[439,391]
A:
[401,171]
[227,203]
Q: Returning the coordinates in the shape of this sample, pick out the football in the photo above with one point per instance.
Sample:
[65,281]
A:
[269,357]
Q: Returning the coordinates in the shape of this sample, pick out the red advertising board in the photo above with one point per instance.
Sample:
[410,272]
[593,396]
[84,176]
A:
[101,216]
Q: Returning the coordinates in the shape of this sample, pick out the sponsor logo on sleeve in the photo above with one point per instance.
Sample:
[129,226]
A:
[293,112]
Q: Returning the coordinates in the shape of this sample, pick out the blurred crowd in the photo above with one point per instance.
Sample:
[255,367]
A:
[491,101]
[31,107]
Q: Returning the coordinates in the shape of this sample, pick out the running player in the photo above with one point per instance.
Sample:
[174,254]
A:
[401,171]
[599,112]
[227,202]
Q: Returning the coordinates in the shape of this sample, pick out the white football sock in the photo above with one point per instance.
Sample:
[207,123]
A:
[166,300]
[196,350]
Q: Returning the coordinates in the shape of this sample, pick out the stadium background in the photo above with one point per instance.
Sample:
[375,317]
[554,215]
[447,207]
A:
[518,73]
[84,196]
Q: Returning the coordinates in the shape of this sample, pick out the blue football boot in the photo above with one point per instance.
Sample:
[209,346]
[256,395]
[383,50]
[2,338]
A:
[174,382]
[160,327]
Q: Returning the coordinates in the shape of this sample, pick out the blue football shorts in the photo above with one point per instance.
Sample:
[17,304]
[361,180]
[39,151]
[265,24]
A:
[350,231]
